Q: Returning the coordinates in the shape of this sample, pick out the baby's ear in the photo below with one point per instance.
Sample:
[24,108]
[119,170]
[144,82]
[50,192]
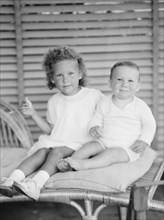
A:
[109,82]
[138,87]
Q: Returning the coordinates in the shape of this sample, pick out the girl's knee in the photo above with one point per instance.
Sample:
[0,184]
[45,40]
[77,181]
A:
[42,152]
[55,152]
[60,152]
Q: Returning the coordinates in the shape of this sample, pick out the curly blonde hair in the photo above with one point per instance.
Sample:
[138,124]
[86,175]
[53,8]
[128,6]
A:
[59,54]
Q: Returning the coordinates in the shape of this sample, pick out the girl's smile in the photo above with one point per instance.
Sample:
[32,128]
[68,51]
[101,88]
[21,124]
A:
[67,76]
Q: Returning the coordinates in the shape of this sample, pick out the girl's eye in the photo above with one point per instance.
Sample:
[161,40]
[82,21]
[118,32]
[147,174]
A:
[131,81]
[71,73]
[119,80]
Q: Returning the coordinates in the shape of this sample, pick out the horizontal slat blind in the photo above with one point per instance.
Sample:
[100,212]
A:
[102,31]
[8,61]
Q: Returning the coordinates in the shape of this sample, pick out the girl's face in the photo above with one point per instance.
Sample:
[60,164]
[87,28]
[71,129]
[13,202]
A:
[67,76]
[125,82]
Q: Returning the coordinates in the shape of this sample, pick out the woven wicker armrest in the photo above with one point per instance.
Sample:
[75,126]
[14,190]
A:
[14,131]
[141,198]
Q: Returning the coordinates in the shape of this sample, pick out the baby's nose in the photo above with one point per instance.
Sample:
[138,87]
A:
[125,83]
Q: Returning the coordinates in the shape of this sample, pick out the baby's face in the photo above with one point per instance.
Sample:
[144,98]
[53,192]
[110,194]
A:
[67,76]
[125,82]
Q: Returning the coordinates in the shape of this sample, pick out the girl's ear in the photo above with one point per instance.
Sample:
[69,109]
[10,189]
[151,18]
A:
[53,81]
[80,75]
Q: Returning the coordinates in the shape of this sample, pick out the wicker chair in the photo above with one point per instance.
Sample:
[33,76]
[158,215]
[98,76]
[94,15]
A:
[138,197]
[14,131]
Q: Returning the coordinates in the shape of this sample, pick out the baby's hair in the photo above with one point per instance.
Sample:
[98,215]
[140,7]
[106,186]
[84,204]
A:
[60,54]
[123,63]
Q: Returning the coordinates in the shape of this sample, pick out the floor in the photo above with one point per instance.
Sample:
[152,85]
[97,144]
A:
[56,211]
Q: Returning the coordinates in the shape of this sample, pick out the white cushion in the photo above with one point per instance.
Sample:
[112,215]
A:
[114,178]
[10,158]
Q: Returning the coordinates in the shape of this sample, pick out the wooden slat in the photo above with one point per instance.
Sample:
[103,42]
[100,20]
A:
[9,91]
[7,35]
[96,48]
[18,27]
[89,8]
[8,76]
[7,10]
[6,2]
[155,62]
[7,27]
[47,2]
[100,56]
[86,33]
[86,17]
[78,25]
[98,64]
[6,18]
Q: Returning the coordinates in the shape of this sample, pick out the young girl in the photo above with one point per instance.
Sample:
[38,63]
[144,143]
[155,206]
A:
[68,115]
[123,125]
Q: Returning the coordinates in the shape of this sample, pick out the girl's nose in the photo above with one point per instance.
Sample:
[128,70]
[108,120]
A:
[65,78]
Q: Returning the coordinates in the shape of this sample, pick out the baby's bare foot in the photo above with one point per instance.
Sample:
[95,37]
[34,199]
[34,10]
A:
[76,164]
[63,165]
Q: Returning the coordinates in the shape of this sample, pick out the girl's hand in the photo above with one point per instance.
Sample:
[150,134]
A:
[96,131]
[27,107]
[139,146]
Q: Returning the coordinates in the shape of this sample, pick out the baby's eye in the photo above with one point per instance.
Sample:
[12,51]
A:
[119,79]
[58,75]
[131,81]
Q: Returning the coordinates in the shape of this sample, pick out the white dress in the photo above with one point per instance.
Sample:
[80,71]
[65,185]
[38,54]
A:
[70,117]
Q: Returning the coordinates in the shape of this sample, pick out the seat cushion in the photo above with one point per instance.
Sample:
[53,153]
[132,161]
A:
[114,178]
[10,157]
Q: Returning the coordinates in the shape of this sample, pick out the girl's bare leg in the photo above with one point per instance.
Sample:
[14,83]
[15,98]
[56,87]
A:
[33,163]
[105,158]
[32,186]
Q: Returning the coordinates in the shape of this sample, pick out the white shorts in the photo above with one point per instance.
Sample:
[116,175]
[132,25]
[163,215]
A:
[131,154]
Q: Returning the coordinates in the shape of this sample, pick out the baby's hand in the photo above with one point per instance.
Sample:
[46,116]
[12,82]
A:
[139,146]
[27,107]
[96,131]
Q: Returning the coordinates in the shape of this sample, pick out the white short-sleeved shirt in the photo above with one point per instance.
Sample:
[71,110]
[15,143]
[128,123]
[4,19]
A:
[70,117]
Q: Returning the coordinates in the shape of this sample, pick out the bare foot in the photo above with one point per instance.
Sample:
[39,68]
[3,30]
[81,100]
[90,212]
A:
[76,164]
[63,165]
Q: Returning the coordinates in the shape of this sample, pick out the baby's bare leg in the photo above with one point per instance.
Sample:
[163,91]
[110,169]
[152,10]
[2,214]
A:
[88,150]
[57,153]
[105,158]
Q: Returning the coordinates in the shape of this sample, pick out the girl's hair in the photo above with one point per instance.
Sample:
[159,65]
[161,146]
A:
[59,54]
[123,63]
